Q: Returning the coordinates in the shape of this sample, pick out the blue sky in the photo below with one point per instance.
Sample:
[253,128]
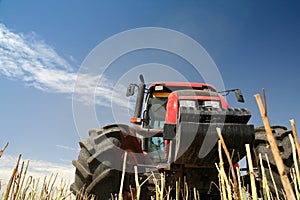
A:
[254,44]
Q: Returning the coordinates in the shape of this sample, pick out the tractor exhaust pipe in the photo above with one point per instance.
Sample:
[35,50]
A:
[140,98]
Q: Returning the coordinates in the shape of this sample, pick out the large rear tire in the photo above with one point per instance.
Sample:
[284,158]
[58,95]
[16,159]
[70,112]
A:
[82,173]
[97,164]
[262,147]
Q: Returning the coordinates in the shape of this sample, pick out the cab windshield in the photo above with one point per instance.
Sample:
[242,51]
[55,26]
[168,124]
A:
[157,109]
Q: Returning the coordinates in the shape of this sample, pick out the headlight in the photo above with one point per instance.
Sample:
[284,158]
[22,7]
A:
[213,104]
[187,103]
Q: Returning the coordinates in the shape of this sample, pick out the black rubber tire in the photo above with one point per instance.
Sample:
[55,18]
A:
[82,173]
[262,147]
[97,162]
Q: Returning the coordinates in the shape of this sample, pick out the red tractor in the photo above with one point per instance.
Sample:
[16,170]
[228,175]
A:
[175,135]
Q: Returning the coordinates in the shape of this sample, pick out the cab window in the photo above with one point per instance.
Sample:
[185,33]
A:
[157,109]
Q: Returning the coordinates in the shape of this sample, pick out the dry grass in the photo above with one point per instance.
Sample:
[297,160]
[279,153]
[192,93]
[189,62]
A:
[23,187]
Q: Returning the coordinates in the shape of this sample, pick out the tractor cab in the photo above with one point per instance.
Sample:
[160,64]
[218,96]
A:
[157,100]
[162,104]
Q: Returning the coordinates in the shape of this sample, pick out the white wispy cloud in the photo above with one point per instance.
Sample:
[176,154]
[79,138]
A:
[67,147]
[38,65]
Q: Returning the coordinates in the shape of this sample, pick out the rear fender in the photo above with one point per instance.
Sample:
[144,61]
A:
[129,141]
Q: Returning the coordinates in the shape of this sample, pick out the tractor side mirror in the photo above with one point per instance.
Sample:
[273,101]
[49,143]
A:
[131,87]
[239,96]
[130,90]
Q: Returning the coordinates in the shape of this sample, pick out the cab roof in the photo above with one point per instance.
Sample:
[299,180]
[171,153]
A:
[187,85]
